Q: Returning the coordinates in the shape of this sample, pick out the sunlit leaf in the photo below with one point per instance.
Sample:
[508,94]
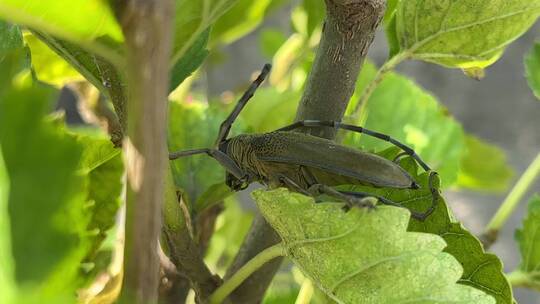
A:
[102,73]
[243,17]
[315,11]
[48,66]
[404,111]
[362,256]
[483,167]
[528,238]
[480,270]
[41,162]
[278,109]
[103,166]
[192,126]
[7,278]
[231,227]
[390,27]
[532,69]
[271,41]
[192,18]
[88,23]
[193,58]
[11,37]
[464,34]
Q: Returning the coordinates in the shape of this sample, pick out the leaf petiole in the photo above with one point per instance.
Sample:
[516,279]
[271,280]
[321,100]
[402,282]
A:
[510,203]
[243,273]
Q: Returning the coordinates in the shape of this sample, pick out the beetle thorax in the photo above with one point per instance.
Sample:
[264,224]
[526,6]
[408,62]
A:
[240,149]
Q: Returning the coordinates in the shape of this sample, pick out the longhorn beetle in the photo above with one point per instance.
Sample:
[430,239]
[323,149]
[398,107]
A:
[308,164]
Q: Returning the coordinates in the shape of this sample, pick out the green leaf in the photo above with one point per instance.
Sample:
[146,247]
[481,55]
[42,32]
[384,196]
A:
[483,167]
[11,37]
[103,165]
[48,66]
[316,12]
[270,41]
[528,238]
[193,126]
[192,18]
[480,270]
[231,227]
[365,256]
[243,17]
[191,61]
[390,26]
[89,23]
[270,109]
[46,199]
[99,71]
[7,282]
[532,69]
[403,110]
[462,34]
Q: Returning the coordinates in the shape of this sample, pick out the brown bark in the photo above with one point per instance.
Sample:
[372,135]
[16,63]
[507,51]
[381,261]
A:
[147,26]
[348,32]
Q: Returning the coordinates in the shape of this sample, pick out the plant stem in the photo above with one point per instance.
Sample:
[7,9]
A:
[511,201]
[359,111]
[147,28]
[348,32]
[180,247]
[518,278]
[306,292]
[243,273]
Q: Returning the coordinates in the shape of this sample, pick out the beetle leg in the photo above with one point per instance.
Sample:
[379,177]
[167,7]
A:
[339,125]
[421,216]
[350,201]
[228,163]
[227,123]
[292,185]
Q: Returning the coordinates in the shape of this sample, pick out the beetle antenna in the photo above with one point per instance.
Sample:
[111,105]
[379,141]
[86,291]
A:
[179,154]
[227,123]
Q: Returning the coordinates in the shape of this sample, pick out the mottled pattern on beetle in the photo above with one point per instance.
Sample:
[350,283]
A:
[268,144]
[241,149]
[246,149]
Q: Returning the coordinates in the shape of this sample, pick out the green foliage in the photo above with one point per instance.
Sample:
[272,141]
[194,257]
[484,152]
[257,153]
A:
[465,34]
[528,238]
[365,255]
[97,70]
[41,163]
[191,126]
[193,58]
[315,11]
[483,167]
[88,23]
[480,270]
[11,37]
[532,69]
[49,66]
[64,189]
[231,227]
[103,166]
[417,119]
[271,40]
[242,18]
[7,284]
[193,18]
[278,108]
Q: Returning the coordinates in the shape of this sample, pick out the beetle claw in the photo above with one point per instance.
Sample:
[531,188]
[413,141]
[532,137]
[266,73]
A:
[370,203]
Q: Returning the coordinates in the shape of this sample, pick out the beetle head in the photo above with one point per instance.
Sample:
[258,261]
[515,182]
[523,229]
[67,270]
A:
[234,183]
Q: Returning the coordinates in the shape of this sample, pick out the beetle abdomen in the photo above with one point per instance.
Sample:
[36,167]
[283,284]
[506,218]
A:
[330,163]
